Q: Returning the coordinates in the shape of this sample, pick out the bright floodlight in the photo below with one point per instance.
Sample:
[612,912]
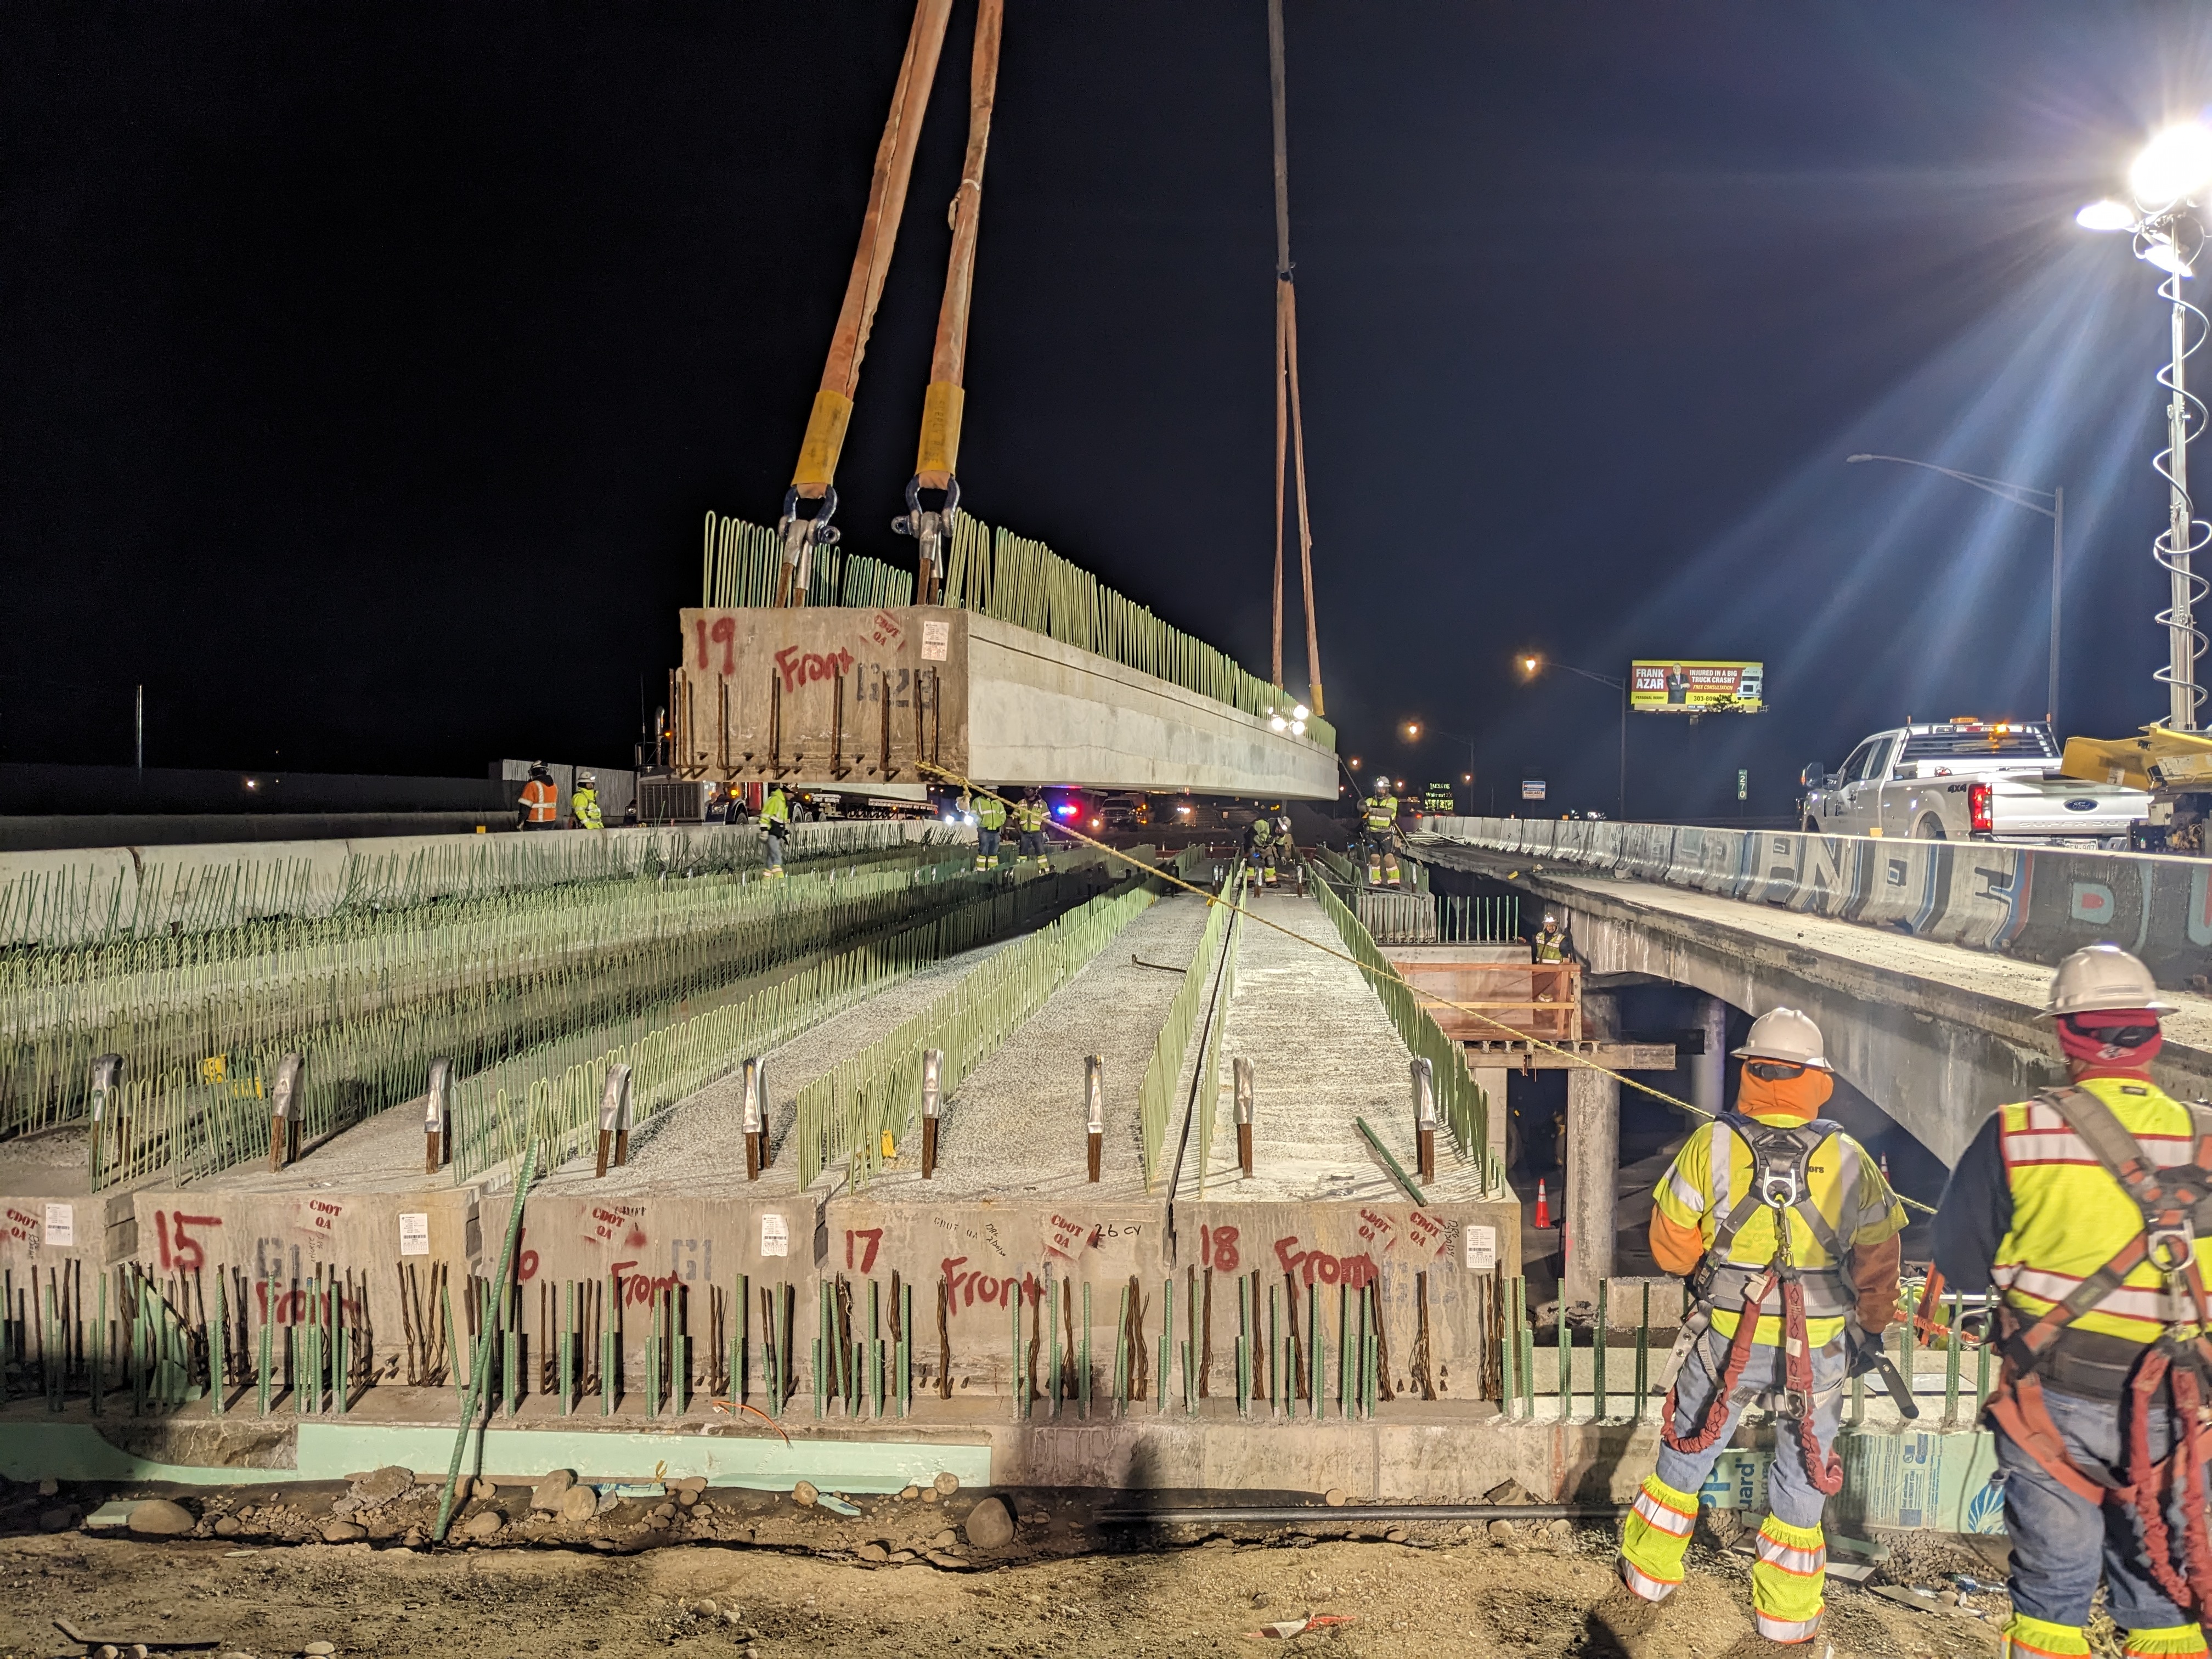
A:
[2167,256]
[1300,713]
[1279,723]
[1297,728]
[1529,664]
[2175,164]
[2106,215]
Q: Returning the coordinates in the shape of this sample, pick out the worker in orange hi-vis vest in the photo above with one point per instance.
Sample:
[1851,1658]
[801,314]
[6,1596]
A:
[540,797]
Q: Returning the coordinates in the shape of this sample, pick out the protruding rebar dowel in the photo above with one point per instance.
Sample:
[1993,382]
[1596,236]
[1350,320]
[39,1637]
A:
[284,1105]
[933,1102]
[1424,1118]
[437,1118]
[1094,1106]
[754,1119]
[1243,1069]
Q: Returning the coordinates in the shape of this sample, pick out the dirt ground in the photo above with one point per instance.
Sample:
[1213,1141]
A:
[746,1574]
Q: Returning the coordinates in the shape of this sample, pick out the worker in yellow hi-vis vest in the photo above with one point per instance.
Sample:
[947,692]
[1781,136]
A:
[1788,1236]
[2085,1207]
[776,825]
[1031,818]
[1378,823]
[990,818]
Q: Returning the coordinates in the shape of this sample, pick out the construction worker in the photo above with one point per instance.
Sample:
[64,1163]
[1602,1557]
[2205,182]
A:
[2077,1204]
[1788,1234]
[1287,851]
[990,818]
[776,825]
[1031,818]
[1551,944]
[1378,818]
[584,805]
[1259,849]
[541,800]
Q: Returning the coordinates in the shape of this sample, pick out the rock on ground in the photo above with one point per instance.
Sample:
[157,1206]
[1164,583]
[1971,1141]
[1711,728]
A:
[157,1518]
[989,1525]
[548,1492]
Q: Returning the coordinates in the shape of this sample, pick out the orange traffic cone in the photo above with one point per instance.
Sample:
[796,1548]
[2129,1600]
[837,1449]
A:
[1543,1207]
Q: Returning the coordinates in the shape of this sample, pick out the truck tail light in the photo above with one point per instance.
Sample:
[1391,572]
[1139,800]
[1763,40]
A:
[1978,809]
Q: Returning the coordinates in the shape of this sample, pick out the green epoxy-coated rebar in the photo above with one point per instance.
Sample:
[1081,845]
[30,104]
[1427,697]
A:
[1167,1338]
[1017,1391]
[1950,1365]
[906,1351]
[1317,1355]
[1083,1376]
[1598,1344]
[1509,1358]
[341,1378]
[679,1356]
[1051,1345]
[1643,1355]
[609,1346]
[567,1346]
[266,1357]
[452,1348]
[1566,1364]
[1982,1374]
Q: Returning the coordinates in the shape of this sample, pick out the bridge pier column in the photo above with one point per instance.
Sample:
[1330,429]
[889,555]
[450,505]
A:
[1491,1080]
[1709,1071]
[1593,1175]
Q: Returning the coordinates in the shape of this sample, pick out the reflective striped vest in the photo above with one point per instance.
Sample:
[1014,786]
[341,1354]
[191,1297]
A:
[991,813]
[539,799]
[1712,1175]
[1030,815]
[1381,812]
[2069,1217]
[585,804]
[776,811]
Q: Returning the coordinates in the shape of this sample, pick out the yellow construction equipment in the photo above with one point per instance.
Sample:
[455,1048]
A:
[2161,760]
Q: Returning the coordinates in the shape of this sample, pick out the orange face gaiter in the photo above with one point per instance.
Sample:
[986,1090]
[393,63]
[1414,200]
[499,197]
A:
[1791,1100]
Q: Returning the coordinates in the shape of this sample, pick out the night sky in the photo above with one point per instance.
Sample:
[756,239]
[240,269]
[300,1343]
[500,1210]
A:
[366,371]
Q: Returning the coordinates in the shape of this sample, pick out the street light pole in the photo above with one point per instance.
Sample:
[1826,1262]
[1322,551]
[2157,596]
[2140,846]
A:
[2006,491]
[2164,226]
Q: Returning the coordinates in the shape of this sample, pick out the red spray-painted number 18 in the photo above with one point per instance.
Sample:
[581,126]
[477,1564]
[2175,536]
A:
[723,633]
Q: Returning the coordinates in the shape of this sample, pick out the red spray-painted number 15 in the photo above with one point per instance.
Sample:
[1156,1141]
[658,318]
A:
[723,633]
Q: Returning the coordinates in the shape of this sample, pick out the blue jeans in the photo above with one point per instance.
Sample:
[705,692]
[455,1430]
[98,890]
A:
[2062,1543]
[1791,1495]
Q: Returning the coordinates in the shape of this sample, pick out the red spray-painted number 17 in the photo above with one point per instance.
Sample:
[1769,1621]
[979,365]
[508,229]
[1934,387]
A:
[870,1238]
[723,633]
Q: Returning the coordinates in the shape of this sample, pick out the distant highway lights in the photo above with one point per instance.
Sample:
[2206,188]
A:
[2174,169]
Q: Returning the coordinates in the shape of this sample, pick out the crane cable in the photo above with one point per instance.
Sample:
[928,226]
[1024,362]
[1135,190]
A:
[1428,998]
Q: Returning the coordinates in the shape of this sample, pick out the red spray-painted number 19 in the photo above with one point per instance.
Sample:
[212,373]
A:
[723,633]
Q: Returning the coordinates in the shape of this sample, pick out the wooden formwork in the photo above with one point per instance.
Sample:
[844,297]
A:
[1528,999]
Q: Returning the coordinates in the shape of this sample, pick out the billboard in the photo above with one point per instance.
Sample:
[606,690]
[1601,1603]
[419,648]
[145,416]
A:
[1532,789]
[1663,686]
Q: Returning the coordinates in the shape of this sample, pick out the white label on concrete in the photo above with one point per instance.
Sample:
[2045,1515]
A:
[936,642]
[61,1226]
[775,1237]
[414,1235]
[1482,1249]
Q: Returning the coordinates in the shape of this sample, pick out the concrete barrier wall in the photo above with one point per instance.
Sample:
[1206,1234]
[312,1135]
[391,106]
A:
[2031,902]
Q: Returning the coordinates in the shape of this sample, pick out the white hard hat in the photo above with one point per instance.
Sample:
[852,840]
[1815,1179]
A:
[587,779]
[1785,1034]
[2100,976]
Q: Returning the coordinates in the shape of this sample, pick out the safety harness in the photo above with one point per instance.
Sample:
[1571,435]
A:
[1779,1156]
[2174,1200]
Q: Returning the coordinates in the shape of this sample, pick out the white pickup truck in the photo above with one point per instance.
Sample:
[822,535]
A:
[1966,780]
